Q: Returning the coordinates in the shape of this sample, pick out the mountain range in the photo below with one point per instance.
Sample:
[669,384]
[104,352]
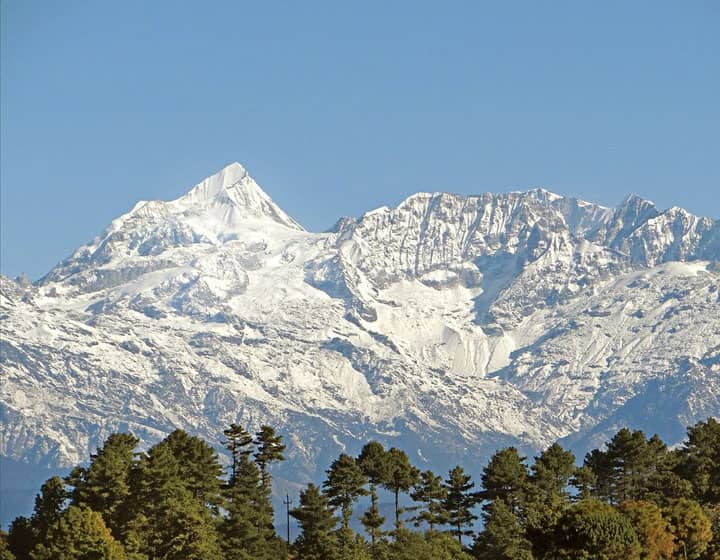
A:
[449,326]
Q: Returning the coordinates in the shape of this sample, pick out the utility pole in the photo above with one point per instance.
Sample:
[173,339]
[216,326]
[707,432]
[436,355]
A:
[288,502]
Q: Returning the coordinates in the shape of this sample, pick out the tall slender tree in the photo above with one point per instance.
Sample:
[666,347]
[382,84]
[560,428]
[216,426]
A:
[270,449]
[238,442]
[374,463]
[460,502]
[344,485]
[431,492]
[401,477]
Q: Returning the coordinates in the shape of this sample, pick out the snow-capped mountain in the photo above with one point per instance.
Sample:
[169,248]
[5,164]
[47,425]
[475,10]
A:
[449,325]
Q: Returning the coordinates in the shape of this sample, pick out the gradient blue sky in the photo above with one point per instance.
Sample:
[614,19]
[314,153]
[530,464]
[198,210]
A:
[338,108]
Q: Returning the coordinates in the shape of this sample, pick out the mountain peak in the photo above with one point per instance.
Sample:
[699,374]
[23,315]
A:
[237,193]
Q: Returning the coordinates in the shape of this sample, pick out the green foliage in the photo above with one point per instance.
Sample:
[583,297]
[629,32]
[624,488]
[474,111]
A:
[459,502]
[198,466]
[49,505]
[170,503]
[505,478]
[238,441]
[78,534]
[691,528]
[374,463]
[270,450]
[700,461]
[430,546]
[431,492]
[400,478]
[552,470]
[344,485]
[105,485]
[316,519]
[594,530]
[503,537]
[176,498]
[247,530]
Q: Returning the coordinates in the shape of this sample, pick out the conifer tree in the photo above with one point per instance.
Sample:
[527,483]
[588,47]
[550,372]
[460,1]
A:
[401,477]
[105,485]
[503,537]
[78,534]
[238,442]
[628,456]
[375,465]
[699,460]
[172,521]
[459,502]
[247,529]
[505,478]
[49,505]
[316,519]
[269,450]
[5,553]
[344,485]
[552,470]
[198,467]
[431,492]
[585,481]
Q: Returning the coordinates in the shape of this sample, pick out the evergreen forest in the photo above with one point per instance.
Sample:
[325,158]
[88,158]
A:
[633,499]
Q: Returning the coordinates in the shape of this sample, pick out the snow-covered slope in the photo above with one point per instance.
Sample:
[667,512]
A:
[449,325]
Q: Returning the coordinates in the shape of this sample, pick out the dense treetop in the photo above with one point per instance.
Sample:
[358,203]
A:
[634,499]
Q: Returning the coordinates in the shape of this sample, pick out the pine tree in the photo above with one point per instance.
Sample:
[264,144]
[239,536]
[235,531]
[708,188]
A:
[375,465]
[430,492]
[105,485]
[238,442]
[552,470]
[49,505]
[459,502]
[270,450]
[505,478]
[628,456]
[198,467]
[402,476]
[503,537]
[344,485]
[585,481]
[699,460]
[546,497]
[247,529]
[79,534]
[316,519]
[172,521]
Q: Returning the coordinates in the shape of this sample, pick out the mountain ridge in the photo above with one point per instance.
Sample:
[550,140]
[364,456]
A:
[448,325]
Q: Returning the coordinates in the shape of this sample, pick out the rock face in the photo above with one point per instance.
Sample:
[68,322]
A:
[449,325]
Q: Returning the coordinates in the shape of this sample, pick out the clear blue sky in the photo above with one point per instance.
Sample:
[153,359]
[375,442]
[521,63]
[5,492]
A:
[337,108]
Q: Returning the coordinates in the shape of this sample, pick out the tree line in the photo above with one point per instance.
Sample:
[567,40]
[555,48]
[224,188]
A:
[634,499]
